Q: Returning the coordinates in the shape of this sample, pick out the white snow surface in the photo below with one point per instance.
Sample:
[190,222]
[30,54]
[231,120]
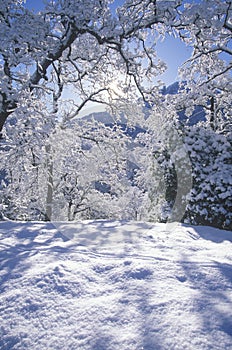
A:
[114,285]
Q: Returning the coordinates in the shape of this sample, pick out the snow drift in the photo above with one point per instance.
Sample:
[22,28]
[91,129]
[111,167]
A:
[111,285]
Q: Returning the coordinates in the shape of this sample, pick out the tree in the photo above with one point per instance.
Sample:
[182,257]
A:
[82,177]
[165,171]
[70,45]
[87,46]
[53,63]
[80,45]
[207,72]
[210,198]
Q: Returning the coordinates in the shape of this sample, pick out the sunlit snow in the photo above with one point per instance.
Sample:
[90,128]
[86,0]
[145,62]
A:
[111,285]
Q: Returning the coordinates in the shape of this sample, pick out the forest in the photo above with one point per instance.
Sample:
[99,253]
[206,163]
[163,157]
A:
[155,156]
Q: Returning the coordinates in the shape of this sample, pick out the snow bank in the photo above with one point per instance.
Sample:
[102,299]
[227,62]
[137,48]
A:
[111,285]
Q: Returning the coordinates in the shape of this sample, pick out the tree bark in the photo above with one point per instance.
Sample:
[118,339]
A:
[212,113]
[49,196]
[6,108]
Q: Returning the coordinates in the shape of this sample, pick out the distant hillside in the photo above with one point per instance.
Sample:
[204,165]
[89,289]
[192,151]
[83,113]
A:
[102,117]
[109,120]
[198,113]
[173,89]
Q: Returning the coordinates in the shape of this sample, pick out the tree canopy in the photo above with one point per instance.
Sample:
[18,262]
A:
[85,46]
[74,52]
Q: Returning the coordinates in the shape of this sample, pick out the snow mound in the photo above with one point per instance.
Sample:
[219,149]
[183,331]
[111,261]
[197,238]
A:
[113,285]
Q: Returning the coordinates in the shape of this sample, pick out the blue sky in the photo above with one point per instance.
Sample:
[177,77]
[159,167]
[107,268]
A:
[172,50]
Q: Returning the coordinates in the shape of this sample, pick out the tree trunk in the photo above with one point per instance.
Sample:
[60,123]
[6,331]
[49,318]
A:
[6,109]
[212,113]
[49,197]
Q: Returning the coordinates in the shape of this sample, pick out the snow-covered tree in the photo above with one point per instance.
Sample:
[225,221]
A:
[210,200]
[81,46]
[207,73]
[164,169]
[53,63]
[77,178]
[90,48]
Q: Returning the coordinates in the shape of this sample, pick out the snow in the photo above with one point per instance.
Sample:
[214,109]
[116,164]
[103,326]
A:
[115,285]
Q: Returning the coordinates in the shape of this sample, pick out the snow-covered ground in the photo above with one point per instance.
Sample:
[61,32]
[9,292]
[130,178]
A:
[111,285]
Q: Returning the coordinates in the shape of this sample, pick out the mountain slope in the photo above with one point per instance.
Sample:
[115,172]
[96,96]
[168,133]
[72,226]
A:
[197,116]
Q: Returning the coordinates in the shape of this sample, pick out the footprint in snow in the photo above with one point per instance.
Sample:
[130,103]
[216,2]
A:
[181,278]
[139,274]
